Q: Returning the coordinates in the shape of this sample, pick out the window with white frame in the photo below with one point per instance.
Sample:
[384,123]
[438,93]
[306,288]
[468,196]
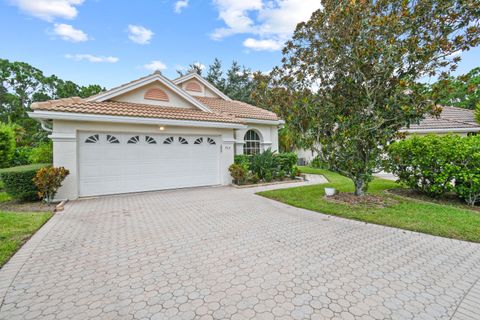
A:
[252,142]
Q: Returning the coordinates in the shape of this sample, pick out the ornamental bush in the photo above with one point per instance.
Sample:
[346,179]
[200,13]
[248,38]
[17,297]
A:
[21,156]
[425,163]
[467,174]
[18,181]
[43,153]
[48,180]
[243,160]
[7,145]
[266,166]
[287,163]
[434,165]
[239,173]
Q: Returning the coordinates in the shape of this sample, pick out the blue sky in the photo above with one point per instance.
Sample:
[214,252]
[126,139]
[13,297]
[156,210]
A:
[110,42]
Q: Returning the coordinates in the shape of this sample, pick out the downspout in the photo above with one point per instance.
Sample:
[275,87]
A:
[45,126]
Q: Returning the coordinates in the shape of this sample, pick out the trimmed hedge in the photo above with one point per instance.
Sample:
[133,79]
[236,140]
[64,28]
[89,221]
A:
[18,181]
[435,164]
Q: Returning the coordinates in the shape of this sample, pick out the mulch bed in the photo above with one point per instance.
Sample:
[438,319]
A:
[447,199]
[366,200]
[36,206]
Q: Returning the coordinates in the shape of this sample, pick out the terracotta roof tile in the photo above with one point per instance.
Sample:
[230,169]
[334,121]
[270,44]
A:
[237,109]
[78,105]
[450,118]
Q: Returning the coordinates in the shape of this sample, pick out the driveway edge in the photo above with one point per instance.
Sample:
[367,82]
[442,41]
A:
[469,309]
[9,271]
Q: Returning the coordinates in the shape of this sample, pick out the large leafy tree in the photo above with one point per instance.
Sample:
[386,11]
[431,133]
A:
[353,72]
[21,84]
[462,91]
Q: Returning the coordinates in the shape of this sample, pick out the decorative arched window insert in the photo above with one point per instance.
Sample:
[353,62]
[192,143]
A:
[92,139]
[150,140]
[252,142]
[156,94]
[112,139]
[134,140]
[169,140]
[198,141]
[182,140]
[211,141]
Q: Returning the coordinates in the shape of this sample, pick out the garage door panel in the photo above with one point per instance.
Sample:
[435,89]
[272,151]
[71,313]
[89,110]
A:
[107,168]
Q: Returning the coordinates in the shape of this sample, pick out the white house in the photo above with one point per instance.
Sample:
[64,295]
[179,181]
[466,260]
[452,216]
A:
[152,134]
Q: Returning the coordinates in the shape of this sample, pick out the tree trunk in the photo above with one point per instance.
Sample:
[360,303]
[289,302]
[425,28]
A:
[360,186]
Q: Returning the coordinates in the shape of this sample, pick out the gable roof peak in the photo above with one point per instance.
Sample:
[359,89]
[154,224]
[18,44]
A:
[194,75]
[140,82]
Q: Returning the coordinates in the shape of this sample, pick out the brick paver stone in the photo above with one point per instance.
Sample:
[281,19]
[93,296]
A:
[225,253]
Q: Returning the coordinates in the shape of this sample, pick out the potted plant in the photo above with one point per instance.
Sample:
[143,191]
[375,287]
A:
[330,192]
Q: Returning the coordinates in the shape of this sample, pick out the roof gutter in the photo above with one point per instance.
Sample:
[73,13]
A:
[452,130]
[260,121]
[51,115]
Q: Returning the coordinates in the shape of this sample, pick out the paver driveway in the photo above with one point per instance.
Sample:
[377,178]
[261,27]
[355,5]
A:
[227,253]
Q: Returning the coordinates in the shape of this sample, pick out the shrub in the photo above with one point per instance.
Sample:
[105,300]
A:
[264,165]
[43,153]
[7,145]
[287,161]
[18,181]
[467,170]
[425,163]
[243,160]
[239,173]
[21,156]
[319,163]
[48,180]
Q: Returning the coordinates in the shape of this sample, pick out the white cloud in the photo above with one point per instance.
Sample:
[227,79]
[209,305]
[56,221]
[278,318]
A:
[91,58]
[155,65]
[69,33]
[180,5]
[272,21]
[235,15]
[49,9]
[258,45]
[199,65]
[139,34]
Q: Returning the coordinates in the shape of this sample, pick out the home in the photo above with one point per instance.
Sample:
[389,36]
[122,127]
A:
[152,134]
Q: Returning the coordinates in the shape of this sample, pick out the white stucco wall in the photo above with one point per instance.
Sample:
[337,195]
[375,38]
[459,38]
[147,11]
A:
[268,137]
[65,146]
[137,96]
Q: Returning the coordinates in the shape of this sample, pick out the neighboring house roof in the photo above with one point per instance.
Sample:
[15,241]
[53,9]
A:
[237,109]
[451,119]
[114,108]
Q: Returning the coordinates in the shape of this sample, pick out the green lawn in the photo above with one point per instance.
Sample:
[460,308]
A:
[16,228]
[442,220]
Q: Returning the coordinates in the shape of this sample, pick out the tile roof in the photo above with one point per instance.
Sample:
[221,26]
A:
[237,109]
[450,118]
[114,108]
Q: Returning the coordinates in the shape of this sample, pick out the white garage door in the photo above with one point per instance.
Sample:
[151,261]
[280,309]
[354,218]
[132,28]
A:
[111,163]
